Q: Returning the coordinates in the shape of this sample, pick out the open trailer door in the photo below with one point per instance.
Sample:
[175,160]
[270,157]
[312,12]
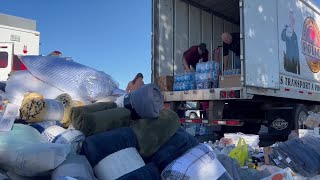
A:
[261,56]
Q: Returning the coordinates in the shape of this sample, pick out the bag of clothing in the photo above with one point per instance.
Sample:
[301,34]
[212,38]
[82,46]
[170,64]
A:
[25,152]
[81,82]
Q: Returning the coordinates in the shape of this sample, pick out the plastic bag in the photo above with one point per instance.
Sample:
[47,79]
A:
[25,152]
[240,152]
[313,120]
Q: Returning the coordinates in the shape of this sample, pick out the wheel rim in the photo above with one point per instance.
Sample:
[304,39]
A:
[302,119]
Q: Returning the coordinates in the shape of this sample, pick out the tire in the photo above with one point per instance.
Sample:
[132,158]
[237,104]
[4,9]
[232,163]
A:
[300,115]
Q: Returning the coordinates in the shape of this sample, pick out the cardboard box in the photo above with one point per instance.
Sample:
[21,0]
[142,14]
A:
[228,81]
[165,83]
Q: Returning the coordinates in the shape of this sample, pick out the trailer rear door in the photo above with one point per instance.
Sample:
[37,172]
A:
[261,63]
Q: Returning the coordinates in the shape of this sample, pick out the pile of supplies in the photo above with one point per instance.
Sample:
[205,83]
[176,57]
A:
[73,122]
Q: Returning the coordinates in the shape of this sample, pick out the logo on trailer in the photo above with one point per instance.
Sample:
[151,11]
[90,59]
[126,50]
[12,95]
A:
[25,49]
[279,124]
[311,44]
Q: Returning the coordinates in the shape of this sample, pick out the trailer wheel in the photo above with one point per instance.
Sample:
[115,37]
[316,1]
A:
[300,116]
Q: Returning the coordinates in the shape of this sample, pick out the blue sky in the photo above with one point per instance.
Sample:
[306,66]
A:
[109,35]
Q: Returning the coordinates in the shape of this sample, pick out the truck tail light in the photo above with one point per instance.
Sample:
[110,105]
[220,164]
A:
[232,94]
[223,94]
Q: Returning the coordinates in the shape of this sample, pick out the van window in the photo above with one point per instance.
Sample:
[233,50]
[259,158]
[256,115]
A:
[17,64]
[3,59]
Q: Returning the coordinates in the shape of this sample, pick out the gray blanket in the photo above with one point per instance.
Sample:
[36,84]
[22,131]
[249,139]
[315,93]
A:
[147,101]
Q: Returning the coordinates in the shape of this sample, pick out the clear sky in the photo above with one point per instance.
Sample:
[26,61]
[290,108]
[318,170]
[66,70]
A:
[109,35]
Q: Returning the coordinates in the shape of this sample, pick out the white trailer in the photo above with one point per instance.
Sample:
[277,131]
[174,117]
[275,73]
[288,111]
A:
[18,36]
[272,89]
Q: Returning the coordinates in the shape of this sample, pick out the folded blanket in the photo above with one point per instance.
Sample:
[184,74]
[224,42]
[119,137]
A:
[147,101]
[147,172]
[77,111]
[100,121]
[101,145]
[175,147]
[68,104]
[153,133]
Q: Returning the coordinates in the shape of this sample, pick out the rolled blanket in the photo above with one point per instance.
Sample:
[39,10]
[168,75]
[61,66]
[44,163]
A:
[153,133]
[146,101]
[77,111]
[35,108]
[68,104]
[101,145]
[96,122]
[175,147]
[147,172]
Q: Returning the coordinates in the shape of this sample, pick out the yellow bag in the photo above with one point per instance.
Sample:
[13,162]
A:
[240,152]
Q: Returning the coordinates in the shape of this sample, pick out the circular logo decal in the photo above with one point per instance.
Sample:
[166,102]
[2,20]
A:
[311,44]
[279,124]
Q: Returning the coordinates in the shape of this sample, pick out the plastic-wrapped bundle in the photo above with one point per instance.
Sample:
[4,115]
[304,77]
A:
[209,66]
[21,82]
[184,86]
[80,81]
[210,76]
[184,77]
[178,78]
[206,84]
[177,86]
[199,162]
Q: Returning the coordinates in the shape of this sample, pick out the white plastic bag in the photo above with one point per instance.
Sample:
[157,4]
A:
[22,82]
[24,151]
[284,174]
[313,120]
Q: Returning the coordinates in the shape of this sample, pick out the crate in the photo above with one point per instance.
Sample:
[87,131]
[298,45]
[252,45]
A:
[228,81]
[165,83]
